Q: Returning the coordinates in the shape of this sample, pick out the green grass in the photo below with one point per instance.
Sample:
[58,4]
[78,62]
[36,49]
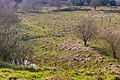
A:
[55,29]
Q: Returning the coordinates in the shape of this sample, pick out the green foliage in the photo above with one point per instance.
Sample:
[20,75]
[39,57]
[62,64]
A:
[5,65]
[95,2]
[78,2]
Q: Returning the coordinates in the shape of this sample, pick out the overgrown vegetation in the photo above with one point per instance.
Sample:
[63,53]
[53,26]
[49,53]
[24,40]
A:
[76,45]
[13,49]
[59,50]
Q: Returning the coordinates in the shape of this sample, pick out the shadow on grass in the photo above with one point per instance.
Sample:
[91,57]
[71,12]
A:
[69,9]
[106,52]
[61,10]
[35,12]
[102,51]
[110,11]
[19,67]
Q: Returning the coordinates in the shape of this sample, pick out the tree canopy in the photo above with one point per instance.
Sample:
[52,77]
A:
[102,2]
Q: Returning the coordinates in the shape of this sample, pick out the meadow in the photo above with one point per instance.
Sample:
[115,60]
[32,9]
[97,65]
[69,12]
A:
[59,54]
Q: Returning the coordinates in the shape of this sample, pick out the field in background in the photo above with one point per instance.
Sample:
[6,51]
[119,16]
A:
[59,54]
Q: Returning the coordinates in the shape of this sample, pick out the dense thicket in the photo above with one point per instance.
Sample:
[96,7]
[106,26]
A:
[12,48]
[101,2]
[78,2]
[37,5]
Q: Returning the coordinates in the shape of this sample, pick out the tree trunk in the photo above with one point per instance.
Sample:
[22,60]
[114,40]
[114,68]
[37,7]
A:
[16,62]
[85,43]
[59,7]
[71,6]
[95,8]
[114,54]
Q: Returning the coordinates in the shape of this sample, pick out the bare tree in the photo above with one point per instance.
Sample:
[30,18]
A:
[32,5]
[26,6]
[69,3]
[113,39]
[9,4]
[95,3]
[87,30]
[58,3]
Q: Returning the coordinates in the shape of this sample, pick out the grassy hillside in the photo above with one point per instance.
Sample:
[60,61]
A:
[59,54]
